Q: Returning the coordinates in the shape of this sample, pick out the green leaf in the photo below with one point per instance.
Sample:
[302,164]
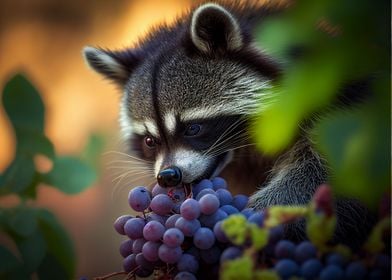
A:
[59,246]
[7,261]
[266,274]
[50,268]
[30,143]
[259,236]
[31,190]
[92,151]
[11,267]
[70,175]
[22,221]
[235,228]
[23,104]
[32,249]
[356,145]
[375,243]
[18,176]
[239,268]
[320,228]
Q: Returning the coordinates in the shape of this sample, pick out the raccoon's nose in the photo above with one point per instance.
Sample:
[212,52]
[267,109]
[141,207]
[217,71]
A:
[169,177]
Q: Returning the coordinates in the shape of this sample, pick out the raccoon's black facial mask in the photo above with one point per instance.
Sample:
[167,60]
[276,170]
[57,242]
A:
[199,148]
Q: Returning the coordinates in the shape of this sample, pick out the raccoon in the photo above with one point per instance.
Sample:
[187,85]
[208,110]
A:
[189,91]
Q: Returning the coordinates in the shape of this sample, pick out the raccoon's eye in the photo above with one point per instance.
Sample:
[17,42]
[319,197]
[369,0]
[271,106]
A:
[192,129]
[149,141]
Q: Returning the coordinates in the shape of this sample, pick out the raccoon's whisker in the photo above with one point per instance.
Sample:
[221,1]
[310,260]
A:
[120,171]
[241,137]
[230,149]
[129,173]
[228,130]
[151,184]
[118,187]
[127,155]
[224,145]
[128,161]
[126,174]
[127,167]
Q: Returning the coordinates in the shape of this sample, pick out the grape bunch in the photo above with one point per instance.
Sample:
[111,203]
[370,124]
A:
[206,233]
[305,261]
[179,230]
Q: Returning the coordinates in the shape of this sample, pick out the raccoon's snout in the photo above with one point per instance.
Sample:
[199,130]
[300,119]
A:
[169,177]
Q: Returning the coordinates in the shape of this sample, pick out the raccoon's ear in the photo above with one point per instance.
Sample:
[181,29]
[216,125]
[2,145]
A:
[214,29]
[113,65]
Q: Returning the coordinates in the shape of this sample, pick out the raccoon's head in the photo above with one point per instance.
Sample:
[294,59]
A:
[188,91]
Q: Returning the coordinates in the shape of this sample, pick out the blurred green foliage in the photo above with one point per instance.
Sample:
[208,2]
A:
[44,247]
[337,42]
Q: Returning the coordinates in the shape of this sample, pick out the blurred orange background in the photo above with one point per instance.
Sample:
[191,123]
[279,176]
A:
[44,39]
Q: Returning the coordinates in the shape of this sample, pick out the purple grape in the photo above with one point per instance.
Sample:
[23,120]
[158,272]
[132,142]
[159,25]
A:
[335,259]
[310,269]
[276,234]
[224,197]
[126,248]
[133,228]
[177,194]
[157,189]
[240,201]
[188,263]
[161,204]
[138,245]
[305,251]
[247,212]
[383,262]
[150,250]
[143,262]
[139,199]
[190,209]
[204,238]
[153,231]
[331,272]
[168,254]
[219,183]
[120,222]
[143,272]
[284,249]
[155,217]
[203,184]
[219,233]
[210,220]
[188,228]
[205,192]
[171,221]
[257,218]
[210,256]
[129,263]
[286,268]
[230,210]
[209,204]
[173,237]
[355,271]
[184,275]
[230,253]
